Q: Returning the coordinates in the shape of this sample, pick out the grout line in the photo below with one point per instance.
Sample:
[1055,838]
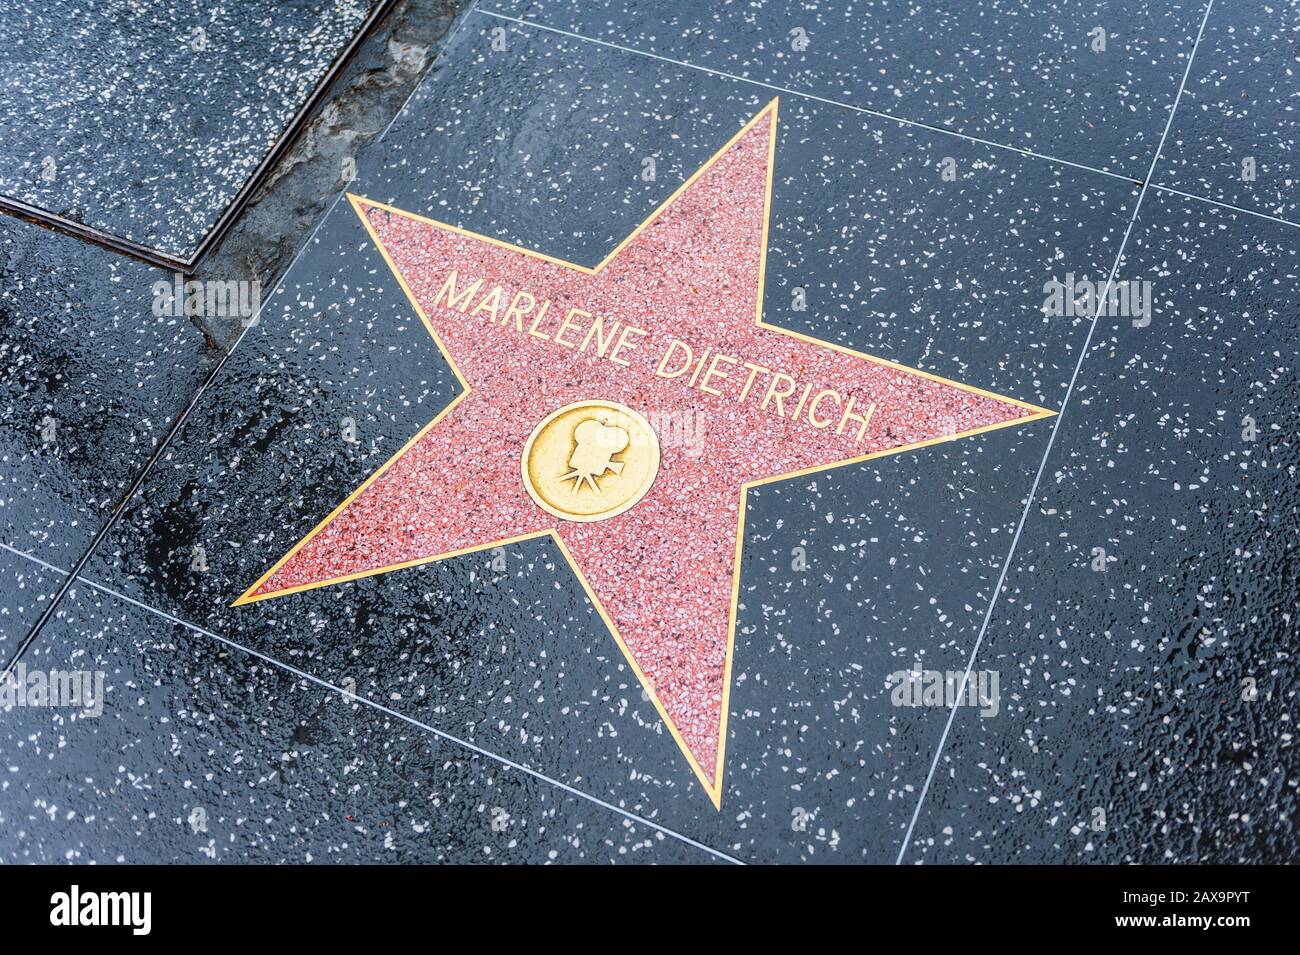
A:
[123,503]
[1033,490]
[812,96]
[34,559]
[1226,205]
[441,734]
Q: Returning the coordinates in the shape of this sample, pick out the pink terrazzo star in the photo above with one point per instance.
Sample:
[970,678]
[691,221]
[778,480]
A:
[664,573]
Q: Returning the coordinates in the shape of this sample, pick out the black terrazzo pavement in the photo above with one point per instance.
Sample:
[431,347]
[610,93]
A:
[143,119]
[1120,690]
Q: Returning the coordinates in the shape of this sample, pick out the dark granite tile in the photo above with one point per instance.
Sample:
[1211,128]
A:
[1153,700]
[1236,134]
[1022,74]
[145,118]
[901,557]
[186,750]
[93,381]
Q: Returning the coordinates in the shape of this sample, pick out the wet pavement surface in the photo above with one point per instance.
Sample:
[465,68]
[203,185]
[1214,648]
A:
[1236,139]
[1028,75]
[1154,695]
[201,753]
[143,119]
[92,380]
[1120,578]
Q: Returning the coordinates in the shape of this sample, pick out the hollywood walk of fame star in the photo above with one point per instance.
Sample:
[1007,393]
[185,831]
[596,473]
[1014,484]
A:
[554,358]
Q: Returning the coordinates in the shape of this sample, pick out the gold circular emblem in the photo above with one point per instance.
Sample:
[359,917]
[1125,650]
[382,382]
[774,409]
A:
[590,460]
